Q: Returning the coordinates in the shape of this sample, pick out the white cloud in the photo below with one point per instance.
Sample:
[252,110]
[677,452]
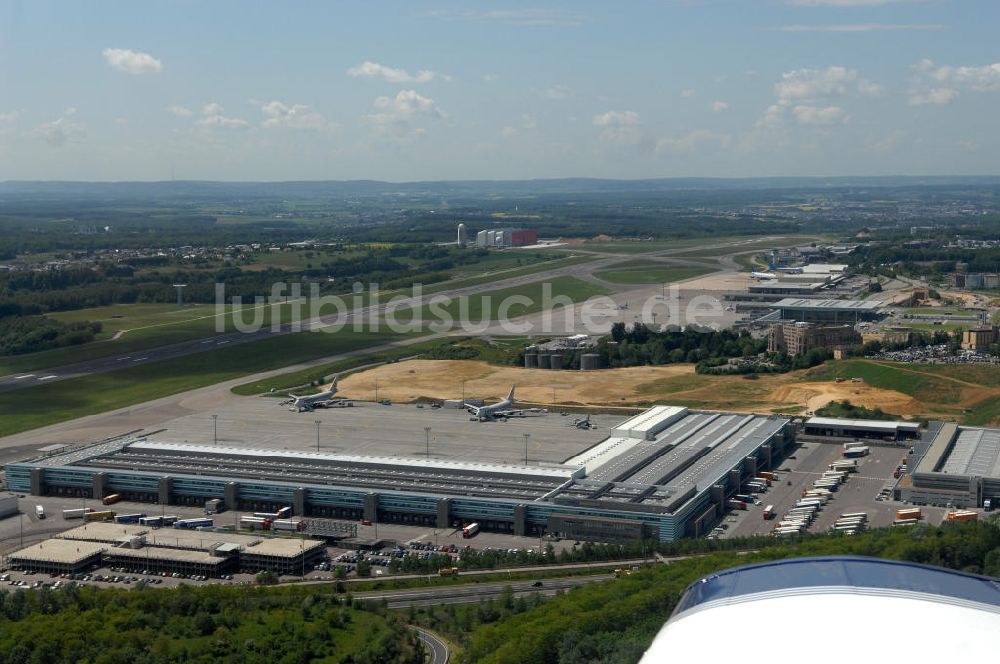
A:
[508,132]
[7,118]
[807,95]
[860,27]
[819,115]
[180,111]
[691,141]
[132,62]
[397,114]
[61,130]
[558,91]
[616,119]
[687,93]
[368,69]
[489,78]
[719,106]
[296,116]
[821,83]
[212,116]
[942,84]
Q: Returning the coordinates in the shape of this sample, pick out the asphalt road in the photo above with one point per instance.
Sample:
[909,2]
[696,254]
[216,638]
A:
[436,648]
[474,593]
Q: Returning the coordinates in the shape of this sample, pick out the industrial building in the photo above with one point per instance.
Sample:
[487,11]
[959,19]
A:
[206,552]
[665,473]
[798,338]
[503,238]
[826,311]
[8,505]
[979,338]
[961,469]
[884,430]
[883,607]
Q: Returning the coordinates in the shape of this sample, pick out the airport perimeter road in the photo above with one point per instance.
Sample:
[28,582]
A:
[436,648]
[474,593]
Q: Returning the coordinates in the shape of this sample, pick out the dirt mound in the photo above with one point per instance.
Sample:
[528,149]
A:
[815,395]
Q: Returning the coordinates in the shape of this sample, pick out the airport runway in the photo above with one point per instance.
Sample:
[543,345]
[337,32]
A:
[112,363]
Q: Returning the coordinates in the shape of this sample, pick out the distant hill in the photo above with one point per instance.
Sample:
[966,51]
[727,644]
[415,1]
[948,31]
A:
[200,189]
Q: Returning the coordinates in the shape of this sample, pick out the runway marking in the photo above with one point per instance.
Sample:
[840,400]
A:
[48,377]
[140,359]
[124,357]
[25,376]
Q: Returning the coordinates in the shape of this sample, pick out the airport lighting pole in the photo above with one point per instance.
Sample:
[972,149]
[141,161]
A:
[215,429]
[463,391]
[526,436]
[427,439]
[318,422]
[376,390]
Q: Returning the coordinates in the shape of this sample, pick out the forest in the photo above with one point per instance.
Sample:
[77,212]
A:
[614,622]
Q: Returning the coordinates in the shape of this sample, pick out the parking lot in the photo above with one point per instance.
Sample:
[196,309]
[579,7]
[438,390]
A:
[859,494]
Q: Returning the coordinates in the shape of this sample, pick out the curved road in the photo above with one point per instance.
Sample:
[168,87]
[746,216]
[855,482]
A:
[436,648]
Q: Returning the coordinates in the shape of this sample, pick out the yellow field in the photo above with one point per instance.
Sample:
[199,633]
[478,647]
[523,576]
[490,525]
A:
[634,386]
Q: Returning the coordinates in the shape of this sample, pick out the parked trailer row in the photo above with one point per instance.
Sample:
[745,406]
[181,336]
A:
[158,521]
[255,523]
[103,515]
[76,513]
[194,523]
[293,525]
[905,522]
[129,518]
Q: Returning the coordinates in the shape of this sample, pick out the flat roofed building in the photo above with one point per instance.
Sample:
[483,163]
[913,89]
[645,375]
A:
[660,469]
[979,338]
[960,469]
[57,556]
[797,338]
[827,311]
[808,603]
[878,429]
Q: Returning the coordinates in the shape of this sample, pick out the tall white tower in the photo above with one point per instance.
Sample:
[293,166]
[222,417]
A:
[461,235]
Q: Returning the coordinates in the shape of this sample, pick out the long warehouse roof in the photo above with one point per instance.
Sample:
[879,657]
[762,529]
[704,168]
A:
[873,425]
[830,305]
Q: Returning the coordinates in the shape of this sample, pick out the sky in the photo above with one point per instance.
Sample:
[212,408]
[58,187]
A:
[404,91]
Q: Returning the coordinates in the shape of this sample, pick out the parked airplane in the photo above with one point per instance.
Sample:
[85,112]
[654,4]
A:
[311,402]
[583,423]
[763,275]
[500,410]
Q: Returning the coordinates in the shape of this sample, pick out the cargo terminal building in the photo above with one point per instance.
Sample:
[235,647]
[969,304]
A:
[961,468]
[664,474]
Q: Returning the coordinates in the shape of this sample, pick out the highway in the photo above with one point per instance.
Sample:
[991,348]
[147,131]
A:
[475,592]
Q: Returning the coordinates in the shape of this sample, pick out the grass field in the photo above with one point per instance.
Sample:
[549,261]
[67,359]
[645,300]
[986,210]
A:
[143,326]
[942,311]
[58,401]
[755,245]
[486,305]
[507,273]
[317,374]
[650,275]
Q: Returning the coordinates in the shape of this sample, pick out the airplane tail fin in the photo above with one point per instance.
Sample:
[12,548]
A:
[510,396]
[334,383]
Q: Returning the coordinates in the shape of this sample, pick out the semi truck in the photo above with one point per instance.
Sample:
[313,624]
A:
[736,504]
[128,518]
[769,512]
[448,571]
[292,525]
[111,499]
[151,521]
[905,522]
[846,465]
[962,515]
[76,513]
[255,522]
[104,515]
[39,511]
[194,523]
[214,506]
[855,452]
[470,530]
[910,513]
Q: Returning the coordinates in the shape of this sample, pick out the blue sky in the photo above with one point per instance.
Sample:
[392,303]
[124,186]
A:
[412,90]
